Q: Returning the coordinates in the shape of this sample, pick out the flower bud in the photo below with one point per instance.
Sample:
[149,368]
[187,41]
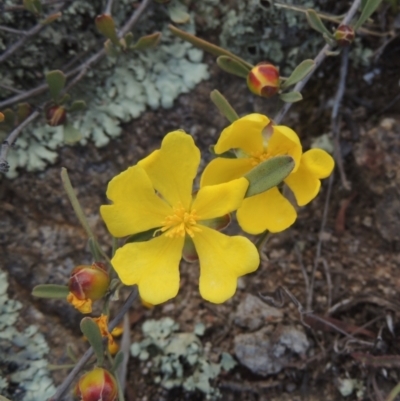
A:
[56,115]
[98,384]
[87,284]
[263,80]
[344,35]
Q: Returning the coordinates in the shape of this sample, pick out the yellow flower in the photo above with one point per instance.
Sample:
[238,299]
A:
[156,195]
[102,322]
[255,140]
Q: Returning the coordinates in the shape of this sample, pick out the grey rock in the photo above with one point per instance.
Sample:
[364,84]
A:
[266,353]
[252,313]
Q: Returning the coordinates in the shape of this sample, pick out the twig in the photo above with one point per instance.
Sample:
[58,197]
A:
[82,70]
[45,3]
[335,120]
[318,60]
[12,30]
[28,35]
[303,269]
[93,59]
[86,356]
[10,88]
[328,280]
[109,5]
[319,245]
[5,147]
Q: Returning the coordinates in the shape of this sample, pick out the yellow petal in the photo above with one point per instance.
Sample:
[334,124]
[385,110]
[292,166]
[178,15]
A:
[136,207]
[217,200]
[152,265]
[222,170]
[222,260]
[269,210]
[284,141]
[305,183]
[318,162]
[245,134]
[173,168]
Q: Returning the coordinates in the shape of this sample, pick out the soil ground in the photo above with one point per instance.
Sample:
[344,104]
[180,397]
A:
[357,278]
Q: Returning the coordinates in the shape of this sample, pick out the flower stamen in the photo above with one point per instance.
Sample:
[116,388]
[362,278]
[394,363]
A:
[180,223]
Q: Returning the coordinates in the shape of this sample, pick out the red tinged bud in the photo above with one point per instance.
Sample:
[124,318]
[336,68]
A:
[99,384]
[263,80]
[56,116]
[344,35]
[87,284]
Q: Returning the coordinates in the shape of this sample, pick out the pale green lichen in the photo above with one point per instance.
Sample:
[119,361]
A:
[116,90]
[23,367]
[179,359]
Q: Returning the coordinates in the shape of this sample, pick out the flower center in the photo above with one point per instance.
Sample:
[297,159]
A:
[180,223]
[258,157]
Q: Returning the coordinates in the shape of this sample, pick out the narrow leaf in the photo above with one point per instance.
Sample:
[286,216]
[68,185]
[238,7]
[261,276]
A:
[300,72]
[92,332]
[316,23]
[232,66]
[71,134]
[56,81]
[110,49]
[94,249]
[177,12]
[78,105]
[206,46]
[147,42]
[71,353]
[268,174]
[51,18]
[291,97]
[369,8]
[117,361]
[34,6]
[50,291]
[223,106]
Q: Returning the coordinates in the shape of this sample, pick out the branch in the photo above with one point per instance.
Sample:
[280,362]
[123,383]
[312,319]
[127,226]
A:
[87,355]
[5,147]
[28,35]
[318,60]
[80,70]
[85,66]
[109,5]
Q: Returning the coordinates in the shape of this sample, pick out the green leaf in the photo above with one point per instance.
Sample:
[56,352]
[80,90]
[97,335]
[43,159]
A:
[316,23]
[71,354]
[110,49]
[117,361]
[71,134]
[368,9]
[92,332]
[23,111]
[78,105]
[50,291]
[128,39]
[178,13]
[291,97]
[189,252]
[300,72]
[34,6]
[223,106]
[207,46]
[56,81]
[147,42]
[232,66]
[106,26]
[64,99]
[268,174]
